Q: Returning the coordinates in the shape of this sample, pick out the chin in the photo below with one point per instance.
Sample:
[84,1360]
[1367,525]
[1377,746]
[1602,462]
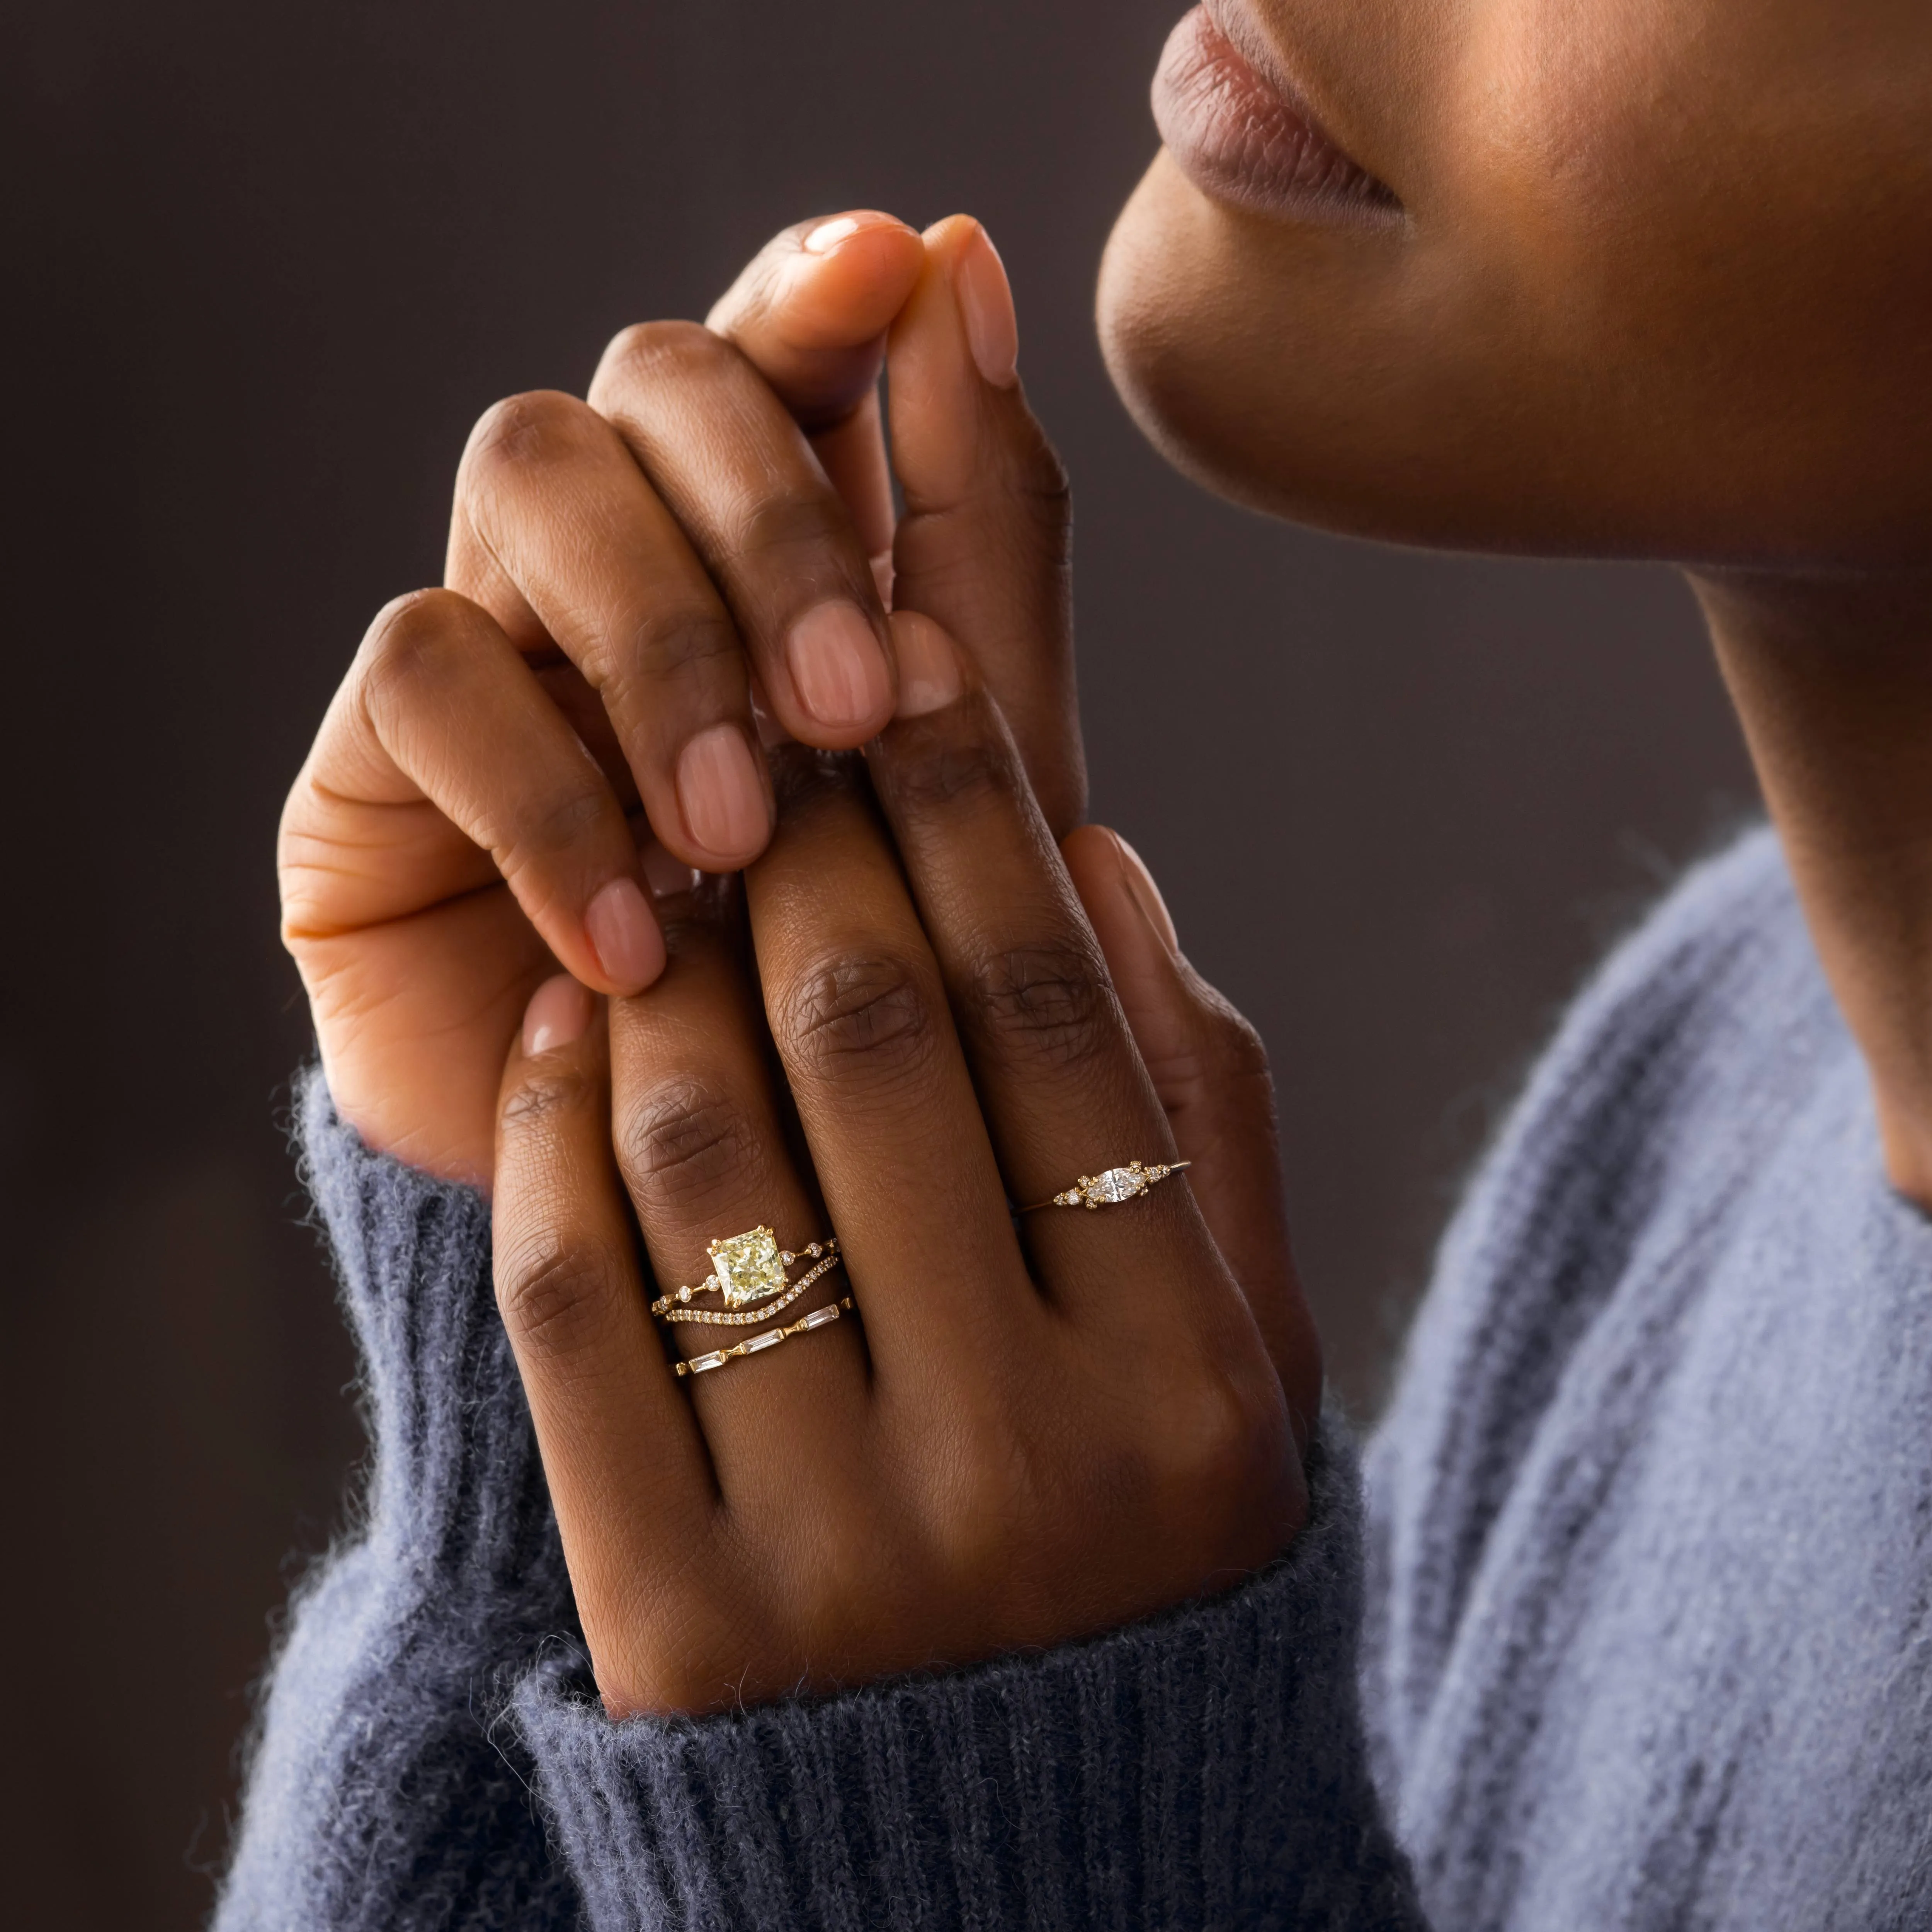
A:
[1261,362]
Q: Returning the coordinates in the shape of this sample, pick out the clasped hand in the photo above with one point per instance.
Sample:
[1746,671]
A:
[918,1007]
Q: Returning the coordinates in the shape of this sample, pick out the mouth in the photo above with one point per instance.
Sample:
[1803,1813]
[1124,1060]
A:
[1242,134]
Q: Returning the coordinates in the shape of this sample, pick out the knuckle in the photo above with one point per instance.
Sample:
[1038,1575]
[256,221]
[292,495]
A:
[1039,482]
[669,642]
[540,429]
[685,1143]
[554,1294]
[1047,1006]
[860,1016]
[647,353]
[781,520]
[1222,1436]
[547,1098]
[949,772]
[412,640]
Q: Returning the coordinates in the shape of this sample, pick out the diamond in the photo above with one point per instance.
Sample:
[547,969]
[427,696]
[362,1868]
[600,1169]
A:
[1117,1183]
[748,1267]
[770,1339]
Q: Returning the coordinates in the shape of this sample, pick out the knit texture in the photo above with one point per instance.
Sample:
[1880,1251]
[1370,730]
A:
[1644,1636]
[385,1791]
[1652,1569]
[1201,1769]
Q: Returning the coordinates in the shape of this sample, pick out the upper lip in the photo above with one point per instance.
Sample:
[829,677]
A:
[1257,46]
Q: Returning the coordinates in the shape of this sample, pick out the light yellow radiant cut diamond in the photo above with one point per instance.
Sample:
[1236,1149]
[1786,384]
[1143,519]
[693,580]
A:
[748,1267]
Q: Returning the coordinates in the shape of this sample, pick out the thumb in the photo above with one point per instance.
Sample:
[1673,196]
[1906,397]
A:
[1210,1070]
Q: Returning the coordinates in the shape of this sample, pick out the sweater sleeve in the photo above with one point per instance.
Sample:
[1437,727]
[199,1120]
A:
[385,1791]
[1206,1768]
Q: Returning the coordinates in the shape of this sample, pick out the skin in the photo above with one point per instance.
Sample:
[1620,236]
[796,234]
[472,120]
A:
[1641,280]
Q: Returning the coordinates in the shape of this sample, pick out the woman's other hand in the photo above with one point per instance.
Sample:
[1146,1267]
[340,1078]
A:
[1029,1431]
[516,761]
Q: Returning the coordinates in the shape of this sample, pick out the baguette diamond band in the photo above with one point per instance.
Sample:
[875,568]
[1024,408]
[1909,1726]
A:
[756,1345]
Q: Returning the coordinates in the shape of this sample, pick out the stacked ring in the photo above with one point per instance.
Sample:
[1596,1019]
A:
[819,1318]
[749,1273]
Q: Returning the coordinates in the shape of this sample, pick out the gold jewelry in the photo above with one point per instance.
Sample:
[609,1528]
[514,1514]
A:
[750,1268]
[819,1318]
[714,1318]
[1115,1185]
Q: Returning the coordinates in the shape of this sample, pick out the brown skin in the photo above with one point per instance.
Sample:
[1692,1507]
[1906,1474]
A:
[1655,285]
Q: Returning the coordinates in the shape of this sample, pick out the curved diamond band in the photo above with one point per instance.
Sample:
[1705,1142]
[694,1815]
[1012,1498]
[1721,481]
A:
[1108,1188]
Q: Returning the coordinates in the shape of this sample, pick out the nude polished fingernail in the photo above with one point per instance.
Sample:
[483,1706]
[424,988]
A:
[558,1014]
[665,873]
[929,677]
[986,309]
[721,795]
[838,668]
[1147,896]
[625,934]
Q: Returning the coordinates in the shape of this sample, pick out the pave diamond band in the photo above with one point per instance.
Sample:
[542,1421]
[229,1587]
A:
[756,1345]
[748,1271]
[1113,1186]
[713,1317]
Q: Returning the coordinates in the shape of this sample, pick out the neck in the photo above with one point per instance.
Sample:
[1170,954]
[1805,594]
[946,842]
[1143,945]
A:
[1833,681]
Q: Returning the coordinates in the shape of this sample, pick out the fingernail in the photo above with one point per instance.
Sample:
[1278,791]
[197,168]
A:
[837,669]
[986,308]
[624,934]
[765,720]
[664,873]
[827,235]
[1147,896]
[558,1014]
[721,795]
[929,677]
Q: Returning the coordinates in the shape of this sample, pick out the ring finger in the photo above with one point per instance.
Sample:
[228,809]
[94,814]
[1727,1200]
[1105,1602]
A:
[702,1143]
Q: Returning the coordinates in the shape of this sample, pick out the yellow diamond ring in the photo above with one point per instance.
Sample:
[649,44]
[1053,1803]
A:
[748,1271]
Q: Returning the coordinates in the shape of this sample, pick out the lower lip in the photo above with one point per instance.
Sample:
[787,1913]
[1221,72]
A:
[1241,142]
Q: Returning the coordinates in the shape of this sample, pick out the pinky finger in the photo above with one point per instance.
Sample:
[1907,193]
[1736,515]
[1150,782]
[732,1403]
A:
[1211,1071]
[442,701]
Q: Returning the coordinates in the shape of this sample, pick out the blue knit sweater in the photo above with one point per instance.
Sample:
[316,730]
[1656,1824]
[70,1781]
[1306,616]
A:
[1639,1632]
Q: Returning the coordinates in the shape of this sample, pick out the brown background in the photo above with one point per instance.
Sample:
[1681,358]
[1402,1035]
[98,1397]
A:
[266,265]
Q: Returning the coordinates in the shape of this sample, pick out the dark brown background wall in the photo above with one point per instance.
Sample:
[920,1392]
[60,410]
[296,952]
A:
[266,265]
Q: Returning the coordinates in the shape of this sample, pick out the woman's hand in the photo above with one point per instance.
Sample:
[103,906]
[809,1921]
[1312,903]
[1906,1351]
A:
[1030,1432]
[625,575]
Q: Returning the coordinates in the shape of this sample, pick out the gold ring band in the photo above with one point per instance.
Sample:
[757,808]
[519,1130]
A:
[1108,1188]
[756,1345]
[714,1318]
[748,1269]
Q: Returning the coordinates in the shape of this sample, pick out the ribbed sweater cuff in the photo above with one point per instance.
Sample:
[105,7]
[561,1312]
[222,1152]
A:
[1204,1768]
[456,1488]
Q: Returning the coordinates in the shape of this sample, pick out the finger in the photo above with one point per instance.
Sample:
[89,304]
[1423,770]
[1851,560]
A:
[1060,1079]
[441,735]
[857,1009]
[626,1467]
[558,534]
[982,547]
[738,474]
[810,314]
[1210,1073]
[703,1151]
